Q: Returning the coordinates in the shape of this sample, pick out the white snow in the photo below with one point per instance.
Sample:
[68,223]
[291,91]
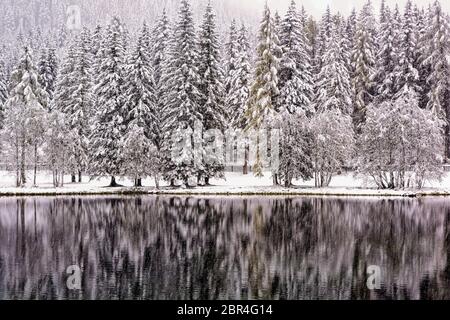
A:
[235,184]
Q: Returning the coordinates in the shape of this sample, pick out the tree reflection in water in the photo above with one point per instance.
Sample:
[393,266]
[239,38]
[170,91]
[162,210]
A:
[224,248]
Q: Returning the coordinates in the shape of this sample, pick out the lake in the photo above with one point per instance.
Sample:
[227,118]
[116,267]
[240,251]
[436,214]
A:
[150,247]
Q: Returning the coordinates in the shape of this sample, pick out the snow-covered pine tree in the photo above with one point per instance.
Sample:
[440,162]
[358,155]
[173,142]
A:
[407,73]
[240,82]
[65,81]
[48,70]
[437,60]
[294,100]
[24,113]
[182,110]
[388,55]
[3,89]
[238,93]
[107,129]
[325,28]
[352,22]
[98,45]
[333,86]
[295,79]
[230,66]
[159,41]
[80,105]
[65,84]
[261,107]
[141,120]
[97,39]
[422,51]
[363,58]
[211,89]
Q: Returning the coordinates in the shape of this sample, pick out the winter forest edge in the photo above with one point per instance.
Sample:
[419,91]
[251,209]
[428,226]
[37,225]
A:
[368,93]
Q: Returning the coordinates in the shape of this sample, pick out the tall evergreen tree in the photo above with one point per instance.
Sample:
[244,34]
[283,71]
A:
[140,112]
[334,88]
[294,100]
[81,104]
[363,57]
[48,70]
[109,119]
[437,60]
[240,82]
[211,88]
[407,66]
[231,57]
[388,55]
[3,89]
[295,78]
[24,113]
[261,107]
[183,100]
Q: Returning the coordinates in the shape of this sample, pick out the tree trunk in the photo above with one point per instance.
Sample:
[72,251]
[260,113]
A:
[207,181]
[23,178]
[74,178]
[17,165]
[246,159]
[79,176]
[275,179]
[157,182]
[113,182]
[138,182]
[35,165]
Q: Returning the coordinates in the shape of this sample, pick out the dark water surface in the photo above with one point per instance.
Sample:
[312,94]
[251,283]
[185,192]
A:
[224,248]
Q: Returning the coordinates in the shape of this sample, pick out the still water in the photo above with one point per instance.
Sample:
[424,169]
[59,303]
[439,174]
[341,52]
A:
[224,248]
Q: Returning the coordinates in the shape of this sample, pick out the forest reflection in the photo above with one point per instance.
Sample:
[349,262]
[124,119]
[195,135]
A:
[224,248]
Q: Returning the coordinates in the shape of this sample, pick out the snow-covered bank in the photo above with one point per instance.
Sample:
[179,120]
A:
[235,184]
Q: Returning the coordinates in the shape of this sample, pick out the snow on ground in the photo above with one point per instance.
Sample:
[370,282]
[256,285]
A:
[235,184]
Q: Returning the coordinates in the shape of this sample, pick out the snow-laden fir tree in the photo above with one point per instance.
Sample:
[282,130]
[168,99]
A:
[261,108]
[238,93]
[97,38]
[159,42]
[230,66]
[24,114]
[437,60]
[294,73]
[211,89]
[407,73]
[333,86]
[141,119]
[325,28]
[422,50]
[65,85]
[65,81]
[240,81]
[182,109]
[48,70]
[388,55]
[363,58]
[80,109]
[108,125]
[3,89]
[401,144]
[294,100]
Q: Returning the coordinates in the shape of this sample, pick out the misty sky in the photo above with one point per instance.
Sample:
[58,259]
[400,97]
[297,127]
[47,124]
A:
[317,7]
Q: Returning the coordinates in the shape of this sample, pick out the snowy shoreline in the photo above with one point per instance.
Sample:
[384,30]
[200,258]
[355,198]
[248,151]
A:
[235,184]
[220,191]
